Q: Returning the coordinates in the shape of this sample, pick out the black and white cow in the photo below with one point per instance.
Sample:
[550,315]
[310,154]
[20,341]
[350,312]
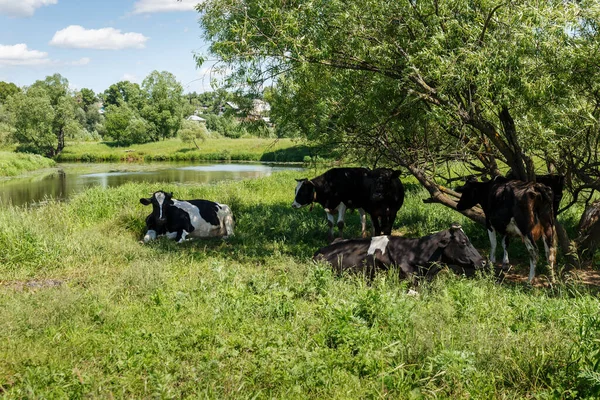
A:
[379,192]
[179,219]
[513,207]
[415,257]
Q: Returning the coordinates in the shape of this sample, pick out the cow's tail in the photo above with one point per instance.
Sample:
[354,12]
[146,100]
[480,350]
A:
[544,202]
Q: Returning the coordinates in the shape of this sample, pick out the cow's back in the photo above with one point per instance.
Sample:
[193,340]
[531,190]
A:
[343,185]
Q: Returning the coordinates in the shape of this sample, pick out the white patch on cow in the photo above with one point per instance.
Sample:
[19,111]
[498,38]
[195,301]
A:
[512,228]
[363,222]
[505,260]
[378,243]
[493,244]
[184,234]
[201,227]
[171,235]
[150,235]
[341,212]
[160,197]
[532,257]
[412,293]
[295,204]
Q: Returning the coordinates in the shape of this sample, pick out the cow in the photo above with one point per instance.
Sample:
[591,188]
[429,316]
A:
[414,257]
[379,192]
[179,219]
[554,182]
[511,207]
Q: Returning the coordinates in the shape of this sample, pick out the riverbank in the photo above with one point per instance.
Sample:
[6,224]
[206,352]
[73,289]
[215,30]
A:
[223,149]
[14,164]
[87,311]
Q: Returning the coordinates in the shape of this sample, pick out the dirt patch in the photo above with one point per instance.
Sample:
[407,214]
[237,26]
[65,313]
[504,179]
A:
[33,284]
[520,274]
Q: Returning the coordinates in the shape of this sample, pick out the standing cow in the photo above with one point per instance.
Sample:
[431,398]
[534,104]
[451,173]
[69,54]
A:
[379,192]
[511,207]
[178,219]
[420,256]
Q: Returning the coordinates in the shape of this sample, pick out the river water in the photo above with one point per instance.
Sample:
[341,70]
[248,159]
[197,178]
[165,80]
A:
[68,179]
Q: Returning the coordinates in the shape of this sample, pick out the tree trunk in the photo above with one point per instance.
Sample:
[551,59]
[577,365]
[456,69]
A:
[439,194]
[589,231]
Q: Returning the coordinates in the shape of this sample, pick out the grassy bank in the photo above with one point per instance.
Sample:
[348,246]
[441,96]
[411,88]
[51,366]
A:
[89,312]
[13,164]
[253,149]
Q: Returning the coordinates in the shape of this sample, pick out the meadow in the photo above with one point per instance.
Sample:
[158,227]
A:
[222,149]
[13,164]
[87,311]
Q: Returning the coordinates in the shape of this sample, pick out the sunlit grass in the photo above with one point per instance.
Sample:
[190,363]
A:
[13,164]
[250,149]
[253,316]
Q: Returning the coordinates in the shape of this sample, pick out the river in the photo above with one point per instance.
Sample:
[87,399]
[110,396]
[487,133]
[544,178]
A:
[68,179]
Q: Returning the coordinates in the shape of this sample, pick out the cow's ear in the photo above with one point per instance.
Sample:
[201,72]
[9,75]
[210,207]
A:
[445,239]
[145,201]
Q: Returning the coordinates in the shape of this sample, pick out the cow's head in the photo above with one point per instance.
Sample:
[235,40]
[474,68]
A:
[305,193]
[470,195]
[160,201]
[382,182]
[458,249]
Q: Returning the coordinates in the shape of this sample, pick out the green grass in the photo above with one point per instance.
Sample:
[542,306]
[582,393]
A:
[13,164]
[253,317]
[253,149]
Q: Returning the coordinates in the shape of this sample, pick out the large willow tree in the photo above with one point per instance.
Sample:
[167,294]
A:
[494,84]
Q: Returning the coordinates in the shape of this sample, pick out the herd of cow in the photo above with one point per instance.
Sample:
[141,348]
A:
[511,207]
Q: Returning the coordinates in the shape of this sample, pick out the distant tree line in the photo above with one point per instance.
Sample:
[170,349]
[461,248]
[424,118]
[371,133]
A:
[42,117]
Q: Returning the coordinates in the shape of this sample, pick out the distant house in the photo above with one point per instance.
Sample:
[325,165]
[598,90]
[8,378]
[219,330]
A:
[260,108]
[196,118]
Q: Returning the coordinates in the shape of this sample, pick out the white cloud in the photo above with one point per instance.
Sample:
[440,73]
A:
[76,36]
[19,54]
[129,77]
[22,8]
[81,61]
[155,6]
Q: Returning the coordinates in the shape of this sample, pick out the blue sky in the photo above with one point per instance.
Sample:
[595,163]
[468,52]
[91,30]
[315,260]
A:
[95,44]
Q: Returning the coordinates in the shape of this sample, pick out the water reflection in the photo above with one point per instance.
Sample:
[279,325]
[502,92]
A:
[70,178]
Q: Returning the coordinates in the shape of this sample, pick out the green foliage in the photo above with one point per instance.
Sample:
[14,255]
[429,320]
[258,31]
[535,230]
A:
[123,125]
[192,131]
[7,89]
[33,121]
[124,92]
[163,109]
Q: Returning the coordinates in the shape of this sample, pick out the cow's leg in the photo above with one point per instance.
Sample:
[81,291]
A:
[533,255]
[493,244]
[363,222]
[550,247]
[171,235]
[389,223]
[150,235]
[181,235]
[505,261]
[375,219]
[330,223]
[340,221]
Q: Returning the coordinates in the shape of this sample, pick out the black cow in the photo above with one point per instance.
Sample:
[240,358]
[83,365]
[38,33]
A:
[379,192]
[178,219]
[524,209]
[420,256]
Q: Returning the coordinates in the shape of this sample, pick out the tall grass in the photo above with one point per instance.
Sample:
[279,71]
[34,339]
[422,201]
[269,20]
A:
[13,164]
[254,317]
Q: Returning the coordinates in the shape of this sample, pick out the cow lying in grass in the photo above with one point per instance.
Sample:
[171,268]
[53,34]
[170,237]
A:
[414,257]
[179,219]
